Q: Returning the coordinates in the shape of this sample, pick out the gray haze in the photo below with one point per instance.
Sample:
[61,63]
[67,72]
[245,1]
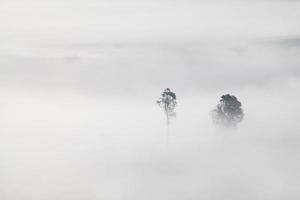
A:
[79,80]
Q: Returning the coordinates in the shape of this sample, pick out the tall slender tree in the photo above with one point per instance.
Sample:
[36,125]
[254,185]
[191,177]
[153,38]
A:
[168,102]
[228,112]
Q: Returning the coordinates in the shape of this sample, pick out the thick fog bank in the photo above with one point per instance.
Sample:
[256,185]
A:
[81,122]
[63,145]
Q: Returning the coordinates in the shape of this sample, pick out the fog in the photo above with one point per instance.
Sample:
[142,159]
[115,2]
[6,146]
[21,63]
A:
[60,145]
[79,81]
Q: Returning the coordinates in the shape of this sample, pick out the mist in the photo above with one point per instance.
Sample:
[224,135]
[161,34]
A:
[68,146]
[79,81]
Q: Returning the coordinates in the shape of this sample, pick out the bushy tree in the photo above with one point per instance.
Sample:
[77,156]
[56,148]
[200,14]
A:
[167,101]
[228,112]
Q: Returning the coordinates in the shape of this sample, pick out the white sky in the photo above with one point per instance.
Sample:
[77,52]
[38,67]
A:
[30,22]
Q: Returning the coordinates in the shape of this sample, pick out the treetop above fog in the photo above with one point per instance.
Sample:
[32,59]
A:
[228,112]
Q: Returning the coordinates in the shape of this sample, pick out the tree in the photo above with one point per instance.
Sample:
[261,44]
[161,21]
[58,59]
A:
[228,112]
[167,101]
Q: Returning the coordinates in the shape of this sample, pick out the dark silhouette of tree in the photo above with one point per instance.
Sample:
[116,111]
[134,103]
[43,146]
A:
[228,112]
[167,101]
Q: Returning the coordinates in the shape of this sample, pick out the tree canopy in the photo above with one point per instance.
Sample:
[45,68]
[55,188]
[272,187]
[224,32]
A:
[168,102]
[228,112]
